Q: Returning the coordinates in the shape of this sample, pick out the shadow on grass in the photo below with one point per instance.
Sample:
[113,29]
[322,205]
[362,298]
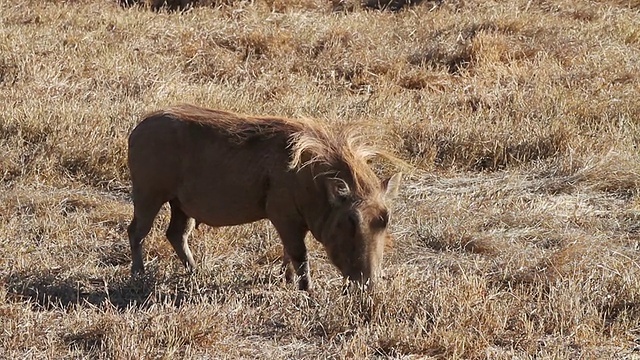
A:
[92,342]
[47,290]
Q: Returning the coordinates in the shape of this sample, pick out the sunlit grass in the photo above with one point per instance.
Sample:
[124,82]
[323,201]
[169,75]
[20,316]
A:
[517,236]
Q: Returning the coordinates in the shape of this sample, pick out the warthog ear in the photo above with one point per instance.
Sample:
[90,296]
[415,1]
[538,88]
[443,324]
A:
[337,191]
[391,186]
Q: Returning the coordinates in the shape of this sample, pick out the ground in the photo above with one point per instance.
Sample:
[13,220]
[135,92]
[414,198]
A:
[517,229]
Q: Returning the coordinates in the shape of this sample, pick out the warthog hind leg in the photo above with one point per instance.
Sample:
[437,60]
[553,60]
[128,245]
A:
[143,215]
[180,228]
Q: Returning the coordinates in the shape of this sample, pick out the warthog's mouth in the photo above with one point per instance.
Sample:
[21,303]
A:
[350,286]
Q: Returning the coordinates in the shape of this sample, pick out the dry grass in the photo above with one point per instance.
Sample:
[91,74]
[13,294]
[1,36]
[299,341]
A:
[518,237]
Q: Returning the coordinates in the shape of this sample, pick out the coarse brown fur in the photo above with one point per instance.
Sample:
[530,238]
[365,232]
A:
[224,169]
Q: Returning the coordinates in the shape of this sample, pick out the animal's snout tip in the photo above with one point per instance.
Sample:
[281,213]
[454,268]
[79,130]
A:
[359,284]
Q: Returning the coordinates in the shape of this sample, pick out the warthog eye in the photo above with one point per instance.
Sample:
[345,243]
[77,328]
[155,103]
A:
[381,221]
[353,219]
[353,223]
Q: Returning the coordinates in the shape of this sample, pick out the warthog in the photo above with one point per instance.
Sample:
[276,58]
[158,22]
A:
[222,169]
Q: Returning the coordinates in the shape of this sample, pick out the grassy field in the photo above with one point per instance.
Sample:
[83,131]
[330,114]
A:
[517,236]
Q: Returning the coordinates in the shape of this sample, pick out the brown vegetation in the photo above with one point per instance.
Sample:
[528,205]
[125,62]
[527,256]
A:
[518,237]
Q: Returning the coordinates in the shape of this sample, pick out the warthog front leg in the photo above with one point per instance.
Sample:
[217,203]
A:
[295,257]
[287,268]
